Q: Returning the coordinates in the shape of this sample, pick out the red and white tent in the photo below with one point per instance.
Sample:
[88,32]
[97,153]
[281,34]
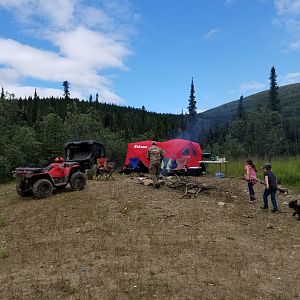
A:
[173,149]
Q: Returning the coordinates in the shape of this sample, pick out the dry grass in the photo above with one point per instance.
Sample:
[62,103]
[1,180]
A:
[121,240]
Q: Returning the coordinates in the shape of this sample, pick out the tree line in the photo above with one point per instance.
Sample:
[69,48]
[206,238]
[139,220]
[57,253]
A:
[33,129]
[263,132]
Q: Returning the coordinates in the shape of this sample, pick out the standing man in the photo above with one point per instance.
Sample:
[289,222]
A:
[155,156]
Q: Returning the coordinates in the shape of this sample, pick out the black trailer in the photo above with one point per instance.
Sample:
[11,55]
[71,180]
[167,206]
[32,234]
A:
[84,152]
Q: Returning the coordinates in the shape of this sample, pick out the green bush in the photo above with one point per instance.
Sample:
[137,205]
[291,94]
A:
[287,170]
[5,169]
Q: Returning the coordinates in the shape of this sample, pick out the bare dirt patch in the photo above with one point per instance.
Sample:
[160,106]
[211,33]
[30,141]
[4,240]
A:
[123,240]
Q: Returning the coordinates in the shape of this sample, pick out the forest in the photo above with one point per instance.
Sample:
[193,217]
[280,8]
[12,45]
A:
[33,129]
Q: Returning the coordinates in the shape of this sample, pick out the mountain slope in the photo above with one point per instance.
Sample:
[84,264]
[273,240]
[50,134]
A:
[289,97]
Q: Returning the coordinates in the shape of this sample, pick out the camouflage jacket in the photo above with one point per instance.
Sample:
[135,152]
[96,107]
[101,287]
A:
[154,153]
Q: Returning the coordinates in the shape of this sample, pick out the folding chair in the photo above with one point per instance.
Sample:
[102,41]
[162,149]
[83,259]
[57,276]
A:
[107,172]
[137,166]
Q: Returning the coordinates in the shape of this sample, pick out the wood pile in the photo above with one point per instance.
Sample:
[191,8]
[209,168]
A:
[187,186]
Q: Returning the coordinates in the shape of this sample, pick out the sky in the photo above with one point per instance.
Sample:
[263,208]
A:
[146,52]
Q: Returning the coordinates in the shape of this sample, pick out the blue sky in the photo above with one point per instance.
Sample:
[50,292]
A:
[145,52]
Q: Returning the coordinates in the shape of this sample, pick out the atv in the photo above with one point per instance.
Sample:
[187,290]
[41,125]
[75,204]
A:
[42,181]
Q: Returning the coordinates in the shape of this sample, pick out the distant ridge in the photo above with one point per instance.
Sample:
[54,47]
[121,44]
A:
[289,98]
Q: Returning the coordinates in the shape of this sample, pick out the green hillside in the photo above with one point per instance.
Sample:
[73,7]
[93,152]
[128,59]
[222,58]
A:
[289,97]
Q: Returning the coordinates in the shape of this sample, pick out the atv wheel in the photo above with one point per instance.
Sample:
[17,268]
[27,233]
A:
[21,189]
[42,188]
[77,181]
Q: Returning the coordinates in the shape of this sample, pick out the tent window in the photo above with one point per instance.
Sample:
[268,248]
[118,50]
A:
[194,152]
[186,152]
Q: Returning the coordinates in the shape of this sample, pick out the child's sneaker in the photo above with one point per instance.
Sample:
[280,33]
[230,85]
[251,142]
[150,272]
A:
[275,211]
[263,208]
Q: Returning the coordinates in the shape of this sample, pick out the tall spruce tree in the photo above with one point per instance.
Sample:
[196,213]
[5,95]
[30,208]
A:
[35,97]
[2,94]
[192,101]
[66,86]
[241,109]
[274,101]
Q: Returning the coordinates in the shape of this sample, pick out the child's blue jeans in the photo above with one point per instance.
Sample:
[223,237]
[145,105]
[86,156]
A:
[266,194]
[251,191]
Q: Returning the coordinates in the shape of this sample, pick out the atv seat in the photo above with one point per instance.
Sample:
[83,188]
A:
[29,170]
[70,164]
[107,171]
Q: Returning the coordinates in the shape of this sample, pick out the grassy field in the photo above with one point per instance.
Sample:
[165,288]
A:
[123,240]
[287,170]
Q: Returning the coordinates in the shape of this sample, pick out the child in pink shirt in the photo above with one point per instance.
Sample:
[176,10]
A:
[251,178]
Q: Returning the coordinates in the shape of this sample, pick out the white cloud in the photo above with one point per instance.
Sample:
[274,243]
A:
[92,48]
[288,18]
[26,91]
[29,62]
[290,78]
[287,7]
[294,45]
[8,75]
[59,13]
[211,33]
[226,2]
[87,40]
[248,88]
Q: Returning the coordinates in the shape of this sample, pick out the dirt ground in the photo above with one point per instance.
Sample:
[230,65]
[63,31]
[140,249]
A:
[124,240]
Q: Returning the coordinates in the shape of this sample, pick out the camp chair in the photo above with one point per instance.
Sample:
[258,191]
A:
[182,166]
[102,162]
[134,162]
[107,172]
[138,166]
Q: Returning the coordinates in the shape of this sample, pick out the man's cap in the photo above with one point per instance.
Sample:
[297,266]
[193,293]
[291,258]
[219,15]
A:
[267,166]
[153,143]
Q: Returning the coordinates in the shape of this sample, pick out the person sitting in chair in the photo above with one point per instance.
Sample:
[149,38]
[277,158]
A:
[102,162]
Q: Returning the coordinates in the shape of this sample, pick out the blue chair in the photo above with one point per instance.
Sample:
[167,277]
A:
[137,165]
[134,161]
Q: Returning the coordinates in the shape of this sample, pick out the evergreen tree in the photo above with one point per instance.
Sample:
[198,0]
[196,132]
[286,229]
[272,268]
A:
[35,97]
[97,98]
[91,99]
[241,110]
[192,101]
[2,94]
[192,124]
[66,86]
[274,101]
